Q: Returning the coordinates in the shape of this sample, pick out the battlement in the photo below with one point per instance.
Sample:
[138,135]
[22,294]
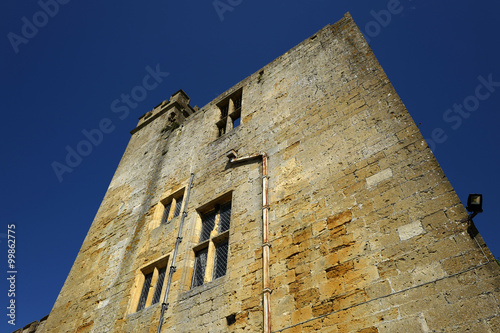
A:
[177,105]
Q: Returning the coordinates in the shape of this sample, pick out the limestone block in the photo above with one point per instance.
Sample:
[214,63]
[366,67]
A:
[379,177]
[410,230]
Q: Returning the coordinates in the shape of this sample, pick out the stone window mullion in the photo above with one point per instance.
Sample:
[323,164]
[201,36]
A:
[152,287]
[211,247]
[171,210]
[229,123]
[216,224]
[210,259]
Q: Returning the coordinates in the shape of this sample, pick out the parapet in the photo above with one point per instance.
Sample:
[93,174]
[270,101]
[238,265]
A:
[177,106]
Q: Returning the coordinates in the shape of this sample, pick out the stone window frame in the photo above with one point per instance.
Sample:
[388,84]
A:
[149,293]
[215,241]
[174,204]
[230,112]
[169,208]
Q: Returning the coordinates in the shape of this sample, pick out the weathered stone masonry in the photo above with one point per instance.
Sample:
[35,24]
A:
[366,233]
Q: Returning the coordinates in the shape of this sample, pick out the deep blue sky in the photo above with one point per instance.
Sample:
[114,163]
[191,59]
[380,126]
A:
[64,78]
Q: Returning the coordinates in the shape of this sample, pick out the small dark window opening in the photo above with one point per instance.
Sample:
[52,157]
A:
[224,110]
[159,285]
[231,319]
[145,291]
[207,225]
[166,212]
[178,204]
[221,124]
[236,122]
[225,217]
[236,118]
[222,129]
[236,115]
[200,264]
[220,265]
[237,103]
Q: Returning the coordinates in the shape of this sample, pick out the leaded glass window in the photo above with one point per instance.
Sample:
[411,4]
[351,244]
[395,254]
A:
[172,209]
[178,205]
[207,225]
[225,217]
[211,253]
[145,291]
[220,264]
[200,264]
[159,285]
[152,287]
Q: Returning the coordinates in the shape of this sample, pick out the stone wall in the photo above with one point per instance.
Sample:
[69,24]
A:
[36,326]
[366,232]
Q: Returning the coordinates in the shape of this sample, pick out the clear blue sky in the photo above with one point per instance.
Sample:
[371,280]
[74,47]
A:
[66,74]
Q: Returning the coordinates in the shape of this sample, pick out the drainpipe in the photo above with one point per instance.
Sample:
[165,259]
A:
[164,305]
[266,291]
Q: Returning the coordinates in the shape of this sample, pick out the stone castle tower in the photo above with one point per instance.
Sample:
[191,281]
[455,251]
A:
[303,199]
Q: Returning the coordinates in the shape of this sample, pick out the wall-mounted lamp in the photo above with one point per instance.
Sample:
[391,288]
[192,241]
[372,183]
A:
[475,204]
